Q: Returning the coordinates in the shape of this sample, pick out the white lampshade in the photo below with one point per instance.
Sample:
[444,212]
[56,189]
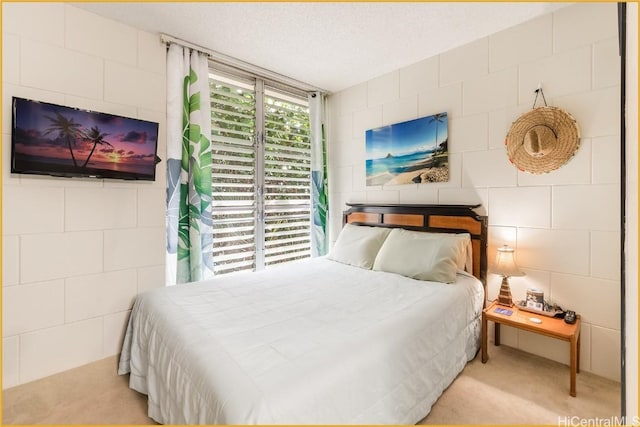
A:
[506,263]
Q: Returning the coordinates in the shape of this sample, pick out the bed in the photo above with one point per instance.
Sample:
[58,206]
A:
[321,341]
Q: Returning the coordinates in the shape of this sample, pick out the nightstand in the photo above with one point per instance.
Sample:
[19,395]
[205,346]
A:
[549,326]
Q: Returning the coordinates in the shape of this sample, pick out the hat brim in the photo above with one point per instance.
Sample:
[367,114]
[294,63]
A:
[563,125]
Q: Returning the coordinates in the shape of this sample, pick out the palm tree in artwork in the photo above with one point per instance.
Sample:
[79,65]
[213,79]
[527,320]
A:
[96,137]
[67,129]
[438,118]
[443,146]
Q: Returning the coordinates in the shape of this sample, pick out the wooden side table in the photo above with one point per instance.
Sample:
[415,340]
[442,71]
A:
[550,327]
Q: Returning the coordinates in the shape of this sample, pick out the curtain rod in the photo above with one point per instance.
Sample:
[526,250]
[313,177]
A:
[242,65]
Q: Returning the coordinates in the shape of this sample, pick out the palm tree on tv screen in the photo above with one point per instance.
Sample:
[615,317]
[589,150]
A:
[67,129]
[96,137]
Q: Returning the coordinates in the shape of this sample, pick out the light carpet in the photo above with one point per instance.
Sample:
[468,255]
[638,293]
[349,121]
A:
[513,387]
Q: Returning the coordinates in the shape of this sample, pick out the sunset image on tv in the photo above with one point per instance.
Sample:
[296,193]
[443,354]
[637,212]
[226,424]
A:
[53,139]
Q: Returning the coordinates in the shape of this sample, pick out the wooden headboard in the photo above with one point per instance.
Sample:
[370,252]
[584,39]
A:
[433,218]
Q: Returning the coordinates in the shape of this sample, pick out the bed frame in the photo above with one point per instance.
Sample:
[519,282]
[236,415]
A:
[433,218]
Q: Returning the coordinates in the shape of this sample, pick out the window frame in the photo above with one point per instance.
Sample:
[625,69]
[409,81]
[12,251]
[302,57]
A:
[261,88]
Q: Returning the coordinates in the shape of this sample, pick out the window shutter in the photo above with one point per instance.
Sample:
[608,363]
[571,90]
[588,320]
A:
[234,200]
[261,174]
[287,178]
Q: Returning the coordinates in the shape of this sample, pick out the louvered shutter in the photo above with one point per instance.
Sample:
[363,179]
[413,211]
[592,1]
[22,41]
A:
[287,178]
[261,186]
[233,109]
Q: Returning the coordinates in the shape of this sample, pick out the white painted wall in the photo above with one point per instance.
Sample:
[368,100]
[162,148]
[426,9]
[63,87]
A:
[631,248]
[76,251]
[565,225]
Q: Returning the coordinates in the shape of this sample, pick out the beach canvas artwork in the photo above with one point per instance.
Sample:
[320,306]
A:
[411,152]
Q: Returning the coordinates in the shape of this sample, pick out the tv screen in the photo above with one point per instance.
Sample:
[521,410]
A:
[49,139]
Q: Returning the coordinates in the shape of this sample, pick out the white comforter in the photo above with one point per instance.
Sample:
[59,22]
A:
[315,342]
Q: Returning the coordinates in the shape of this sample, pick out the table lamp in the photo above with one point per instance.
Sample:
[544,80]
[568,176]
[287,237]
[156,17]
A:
[506,267]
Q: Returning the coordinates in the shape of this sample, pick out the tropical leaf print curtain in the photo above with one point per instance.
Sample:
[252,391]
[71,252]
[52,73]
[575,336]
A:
[189,226]
[319,188]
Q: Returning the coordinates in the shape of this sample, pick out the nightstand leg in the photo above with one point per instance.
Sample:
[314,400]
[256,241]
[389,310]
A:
[578,356]
[573,365]
[485,356]
[496,335]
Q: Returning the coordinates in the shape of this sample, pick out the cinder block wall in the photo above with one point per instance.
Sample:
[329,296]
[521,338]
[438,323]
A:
[564,225]
[76,251]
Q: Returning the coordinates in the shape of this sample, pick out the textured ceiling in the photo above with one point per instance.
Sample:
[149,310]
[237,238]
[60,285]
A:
[329,45]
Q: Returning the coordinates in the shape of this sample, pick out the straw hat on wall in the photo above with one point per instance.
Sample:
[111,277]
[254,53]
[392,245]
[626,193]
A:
[542,140]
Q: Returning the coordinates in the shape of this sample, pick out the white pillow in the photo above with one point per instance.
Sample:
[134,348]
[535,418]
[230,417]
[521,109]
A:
[358,245]
[422,256]
[465,256]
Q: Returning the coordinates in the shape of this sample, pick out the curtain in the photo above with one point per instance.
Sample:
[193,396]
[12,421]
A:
[319,186]
[189,223]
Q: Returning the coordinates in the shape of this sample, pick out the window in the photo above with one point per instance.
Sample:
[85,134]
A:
[261,174]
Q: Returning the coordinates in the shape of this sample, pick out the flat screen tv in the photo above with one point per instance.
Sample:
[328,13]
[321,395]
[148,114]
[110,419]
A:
[50,139]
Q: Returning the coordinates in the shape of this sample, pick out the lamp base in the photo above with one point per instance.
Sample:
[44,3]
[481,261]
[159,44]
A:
[504,297]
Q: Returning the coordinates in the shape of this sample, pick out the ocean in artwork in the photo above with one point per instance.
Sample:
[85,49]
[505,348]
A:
[395,165]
